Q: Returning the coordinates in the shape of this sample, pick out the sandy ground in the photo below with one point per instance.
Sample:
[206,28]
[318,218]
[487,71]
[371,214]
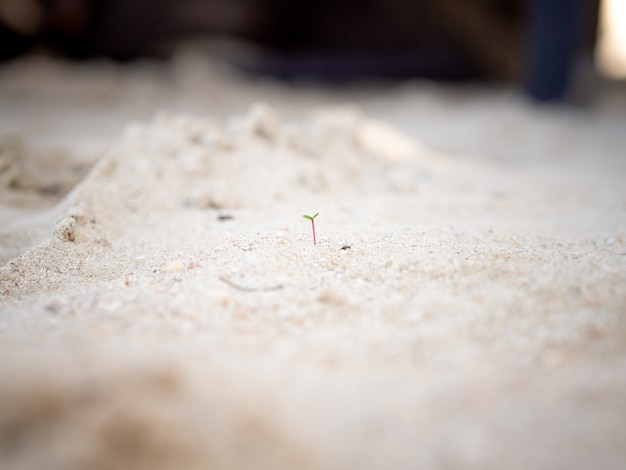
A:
[163,305]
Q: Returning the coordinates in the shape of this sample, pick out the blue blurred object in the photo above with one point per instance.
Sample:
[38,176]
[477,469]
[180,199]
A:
[555,38]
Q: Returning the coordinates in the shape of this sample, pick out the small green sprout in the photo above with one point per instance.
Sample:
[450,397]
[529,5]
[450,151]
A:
[312,219]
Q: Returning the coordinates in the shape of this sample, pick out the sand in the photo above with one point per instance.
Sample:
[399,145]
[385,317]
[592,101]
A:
[163,305]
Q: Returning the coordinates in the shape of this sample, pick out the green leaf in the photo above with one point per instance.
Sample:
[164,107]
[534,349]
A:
[311,217]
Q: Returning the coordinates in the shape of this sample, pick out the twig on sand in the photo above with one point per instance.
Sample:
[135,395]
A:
[250,289]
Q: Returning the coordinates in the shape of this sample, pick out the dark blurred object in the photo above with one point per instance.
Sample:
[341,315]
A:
[20,21]
[126,29]
[439,39]
[556,38]
[323,39]
[122,29]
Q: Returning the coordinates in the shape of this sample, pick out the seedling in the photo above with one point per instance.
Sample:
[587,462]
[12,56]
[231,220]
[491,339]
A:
[312,219]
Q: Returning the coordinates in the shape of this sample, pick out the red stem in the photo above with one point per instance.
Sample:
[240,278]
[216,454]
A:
[313,225]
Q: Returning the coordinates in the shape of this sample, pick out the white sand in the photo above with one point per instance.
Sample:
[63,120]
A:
[171,311]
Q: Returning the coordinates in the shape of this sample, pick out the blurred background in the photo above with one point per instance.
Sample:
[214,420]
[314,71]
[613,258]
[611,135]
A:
[542,46]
